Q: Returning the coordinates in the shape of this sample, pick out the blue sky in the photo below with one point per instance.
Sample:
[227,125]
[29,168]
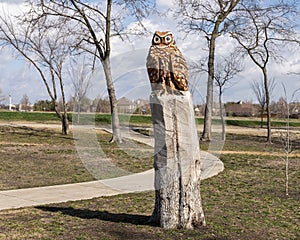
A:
[128,65]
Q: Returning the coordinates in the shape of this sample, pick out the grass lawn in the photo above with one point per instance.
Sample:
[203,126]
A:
[245,201]
[40,157]
[50,117]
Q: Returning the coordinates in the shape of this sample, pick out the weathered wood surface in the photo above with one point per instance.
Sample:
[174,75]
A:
[177,162]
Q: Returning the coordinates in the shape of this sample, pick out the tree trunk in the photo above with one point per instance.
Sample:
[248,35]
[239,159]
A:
[206,134]
[287,174]
[261,117]
[221,116]
[116,137]
[176,162]
[65,124]
[64,120]
[78,111]
[269,140]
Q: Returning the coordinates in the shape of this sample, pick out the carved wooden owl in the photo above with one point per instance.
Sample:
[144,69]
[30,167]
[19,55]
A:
[166,66]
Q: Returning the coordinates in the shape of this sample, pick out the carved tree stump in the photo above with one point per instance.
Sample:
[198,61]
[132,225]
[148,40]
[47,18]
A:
[176,162]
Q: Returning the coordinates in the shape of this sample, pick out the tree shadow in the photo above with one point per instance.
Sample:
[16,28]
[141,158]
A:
[135,219]
[101,215]
[36,132]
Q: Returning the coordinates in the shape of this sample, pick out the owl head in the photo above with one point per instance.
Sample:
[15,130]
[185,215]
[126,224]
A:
[163,39]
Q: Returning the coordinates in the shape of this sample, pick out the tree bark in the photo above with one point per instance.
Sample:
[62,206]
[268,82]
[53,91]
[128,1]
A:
[266,84]
[176,162]
[222,115]
[222,15]
[113,102]
[262,117]
[104,56]
[78,111]
[63,118]
[65,124]
[206,135]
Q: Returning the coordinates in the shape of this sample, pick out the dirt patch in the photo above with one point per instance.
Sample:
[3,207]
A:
[258,153]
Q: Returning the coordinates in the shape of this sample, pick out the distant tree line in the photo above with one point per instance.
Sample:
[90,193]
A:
[98,105]
[231,109]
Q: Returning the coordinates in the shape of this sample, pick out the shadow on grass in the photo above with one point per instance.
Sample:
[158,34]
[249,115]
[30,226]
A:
[101,215]
[36,132]
[128,232]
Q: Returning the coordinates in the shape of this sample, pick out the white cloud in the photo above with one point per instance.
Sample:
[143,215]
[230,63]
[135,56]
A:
[12,1]
[13,7]
[128,65]
[17,79]
[164,4]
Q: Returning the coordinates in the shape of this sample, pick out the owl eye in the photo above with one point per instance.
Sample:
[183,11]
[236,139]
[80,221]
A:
[156,39]
[168,39]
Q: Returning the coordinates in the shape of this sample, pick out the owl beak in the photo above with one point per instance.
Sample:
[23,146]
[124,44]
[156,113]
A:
[161,46]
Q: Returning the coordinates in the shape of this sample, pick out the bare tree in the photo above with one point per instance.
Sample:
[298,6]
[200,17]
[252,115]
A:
[260,93]
[45,48]
[209,17]
[225,71]
[260,28]
[93,26]
[80,75]
[25,103]
[286,138]
[196,69]
[101,105]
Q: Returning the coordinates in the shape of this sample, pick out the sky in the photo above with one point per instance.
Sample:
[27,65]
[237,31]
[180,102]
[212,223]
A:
[128,61]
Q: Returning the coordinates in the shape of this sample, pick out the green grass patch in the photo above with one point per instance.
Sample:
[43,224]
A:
[256,123]
[85,118]
[125,119]
[28,116]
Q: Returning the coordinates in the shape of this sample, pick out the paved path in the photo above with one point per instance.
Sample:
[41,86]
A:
[144,181]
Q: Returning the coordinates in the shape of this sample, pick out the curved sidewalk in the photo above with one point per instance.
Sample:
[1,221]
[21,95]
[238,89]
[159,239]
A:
[138,182]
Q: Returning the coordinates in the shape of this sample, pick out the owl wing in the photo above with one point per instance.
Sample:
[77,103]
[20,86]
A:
[179,70]
[152,65]
[154,69]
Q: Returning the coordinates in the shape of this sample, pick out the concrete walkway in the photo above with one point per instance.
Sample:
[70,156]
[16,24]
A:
[144,181]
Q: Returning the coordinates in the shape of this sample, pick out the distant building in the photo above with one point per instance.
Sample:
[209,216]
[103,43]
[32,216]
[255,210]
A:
[26,108]
[12,107]
[125,105]
[295,110]
[281,111]
[128,106]
[241,109]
